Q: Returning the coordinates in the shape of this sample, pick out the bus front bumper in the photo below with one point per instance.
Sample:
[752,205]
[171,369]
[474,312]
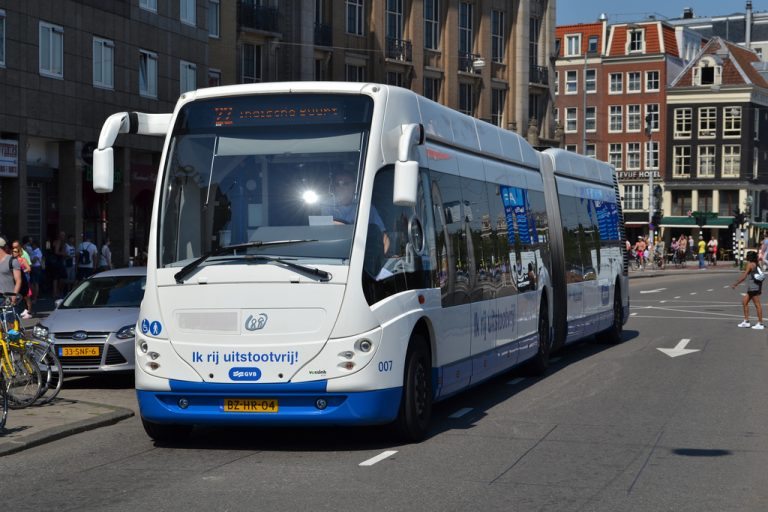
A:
[309,403]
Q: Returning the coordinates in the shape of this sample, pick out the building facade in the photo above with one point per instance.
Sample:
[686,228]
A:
[66,65]
[717,121]
[611,85]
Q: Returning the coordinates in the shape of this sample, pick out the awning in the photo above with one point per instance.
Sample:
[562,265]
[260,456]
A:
[690,222]
[759,225]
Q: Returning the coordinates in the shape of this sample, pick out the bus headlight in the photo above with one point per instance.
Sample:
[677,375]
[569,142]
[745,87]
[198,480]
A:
[364,345]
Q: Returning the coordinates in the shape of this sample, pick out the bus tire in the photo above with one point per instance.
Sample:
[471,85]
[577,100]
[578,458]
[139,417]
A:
[163,433]
[415,412]
[612,335]
[538,365]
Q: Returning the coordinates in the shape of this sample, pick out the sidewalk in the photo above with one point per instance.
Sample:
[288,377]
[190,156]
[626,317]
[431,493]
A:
[691,267]
[63,417]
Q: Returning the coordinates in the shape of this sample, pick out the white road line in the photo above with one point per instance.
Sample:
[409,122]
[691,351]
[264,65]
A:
[460,413]
[693,293]
[662,302]
[710,290]
[735,317]
[516,381]
[633,314]
[378,458]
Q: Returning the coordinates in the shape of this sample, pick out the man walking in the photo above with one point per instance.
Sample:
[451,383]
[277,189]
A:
[702,250]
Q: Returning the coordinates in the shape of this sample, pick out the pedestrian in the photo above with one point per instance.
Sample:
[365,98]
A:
[764,251]
[69,263]
[640,247]
[86,256]
[702,252]
[754,289]
[10,273]
[690,247]
[25,291]
[36,276]
[712,250]
[105,257]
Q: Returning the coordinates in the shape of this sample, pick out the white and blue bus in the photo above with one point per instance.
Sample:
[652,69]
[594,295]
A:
[349,253]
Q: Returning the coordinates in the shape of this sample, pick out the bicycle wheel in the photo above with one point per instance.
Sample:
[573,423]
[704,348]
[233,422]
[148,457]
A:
[53,375]
[24,386]
[3,403]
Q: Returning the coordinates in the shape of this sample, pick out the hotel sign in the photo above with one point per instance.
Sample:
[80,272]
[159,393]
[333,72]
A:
[637,175]
[9,158]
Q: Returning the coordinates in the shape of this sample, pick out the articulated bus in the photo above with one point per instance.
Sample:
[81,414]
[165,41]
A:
[350,253]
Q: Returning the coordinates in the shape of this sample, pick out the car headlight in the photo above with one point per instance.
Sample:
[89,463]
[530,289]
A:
[127,332]
[40,332]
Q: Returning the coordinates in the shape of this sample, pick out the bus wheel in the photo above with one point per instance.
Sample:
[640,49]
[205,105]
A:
[612,335]
[416,402]
[163,433]
[540,362]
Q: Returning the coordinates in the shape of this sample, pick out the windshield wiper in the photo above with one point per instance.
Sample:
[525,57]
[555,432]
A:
[185,271]
[316,272]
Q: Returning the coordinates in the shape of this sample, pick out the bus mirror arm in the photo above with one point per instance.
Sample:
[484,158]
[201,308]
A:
[122,122]
[407,171]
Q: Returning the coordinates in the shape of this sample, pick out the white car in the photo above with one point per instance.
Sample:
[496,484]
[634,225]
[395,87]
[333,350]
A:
[93,328]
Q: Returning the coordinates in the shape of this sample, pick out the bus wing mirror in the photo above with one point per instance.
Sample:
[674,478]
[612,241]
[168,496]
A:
[406,185]
[103,170]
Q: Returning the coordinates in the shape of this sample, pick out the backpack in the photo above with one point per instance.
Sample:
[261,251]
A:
[24,289]
[759,274]
[85,255]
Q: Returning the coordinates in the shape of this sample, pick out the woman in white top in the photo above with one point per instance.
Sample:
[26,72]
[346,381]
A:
[105,256]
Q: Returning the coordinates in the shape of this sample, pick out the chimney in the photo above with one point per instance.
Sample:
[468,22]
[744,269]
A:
[687,13]
[748,23]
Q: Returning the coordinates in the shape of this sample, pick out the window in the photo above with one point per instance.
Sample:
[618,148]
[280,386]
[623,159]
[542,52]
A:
[466,99]
[592,45]
[615,118]
[731,161]
[682,123]
[707,122]
[571,82]
[2,38]
[652,154]
[615,83]
[636,41]
[394,17]
[615,155]
[432,24]
[214,77]
[148,5]
[497,36]
[590,119]
[51,50]
[633,82]
[103,63]
[681,202]
[633,155]
[634,121]
[355,73]
[590,80]
[355,17]
[573,45]
[633,197]
[250,64]
[706,162]
[148,74]
[681,162]
[652,116]
[187,12]
[731,121]
[214,18]
[729,200]
[466,28]
[187,76]
[573,148]
[590,151]
[395,78]
[556,84]
[432,88]
[707,72]
[556,115]
[534,34]
[571,120]
[497,106]
[651,81]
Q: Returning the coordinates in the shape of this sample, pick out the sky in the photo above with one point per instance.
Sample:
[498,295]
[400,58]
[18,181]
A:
[570,12]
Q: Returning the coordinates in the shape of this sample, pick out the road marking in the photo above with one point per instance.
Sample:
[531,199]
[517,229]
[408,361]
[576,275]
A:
[693,293]
[710,290]
[677,297]
[632,314]
[516,381]
[662,302]
[460,413]
[378,458]
[657,290]
[679,349]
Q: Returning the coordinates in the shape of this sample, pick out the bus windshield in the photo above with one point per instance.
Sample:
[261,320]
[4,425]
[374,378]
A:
[264,168]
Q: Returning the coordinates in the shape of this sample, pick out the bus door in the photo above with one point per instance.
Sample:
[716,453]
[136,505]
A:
[572,248]
[452,322]
[478,265]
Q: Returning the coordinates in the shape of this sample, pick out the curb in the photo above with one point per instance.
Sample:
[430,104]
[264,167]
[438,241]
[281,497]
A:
[114,415]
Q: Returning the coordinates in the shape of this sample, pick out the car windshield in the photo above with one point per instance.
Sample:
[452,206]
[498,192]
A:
[264,168]
[107,292]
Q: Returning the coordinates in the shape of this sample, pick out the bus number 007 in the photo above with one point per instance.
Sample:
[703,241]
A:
[385,366]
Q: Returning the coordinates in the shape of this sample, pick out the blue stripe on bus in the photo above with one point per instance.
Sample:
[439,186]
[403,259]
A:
[296,405]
